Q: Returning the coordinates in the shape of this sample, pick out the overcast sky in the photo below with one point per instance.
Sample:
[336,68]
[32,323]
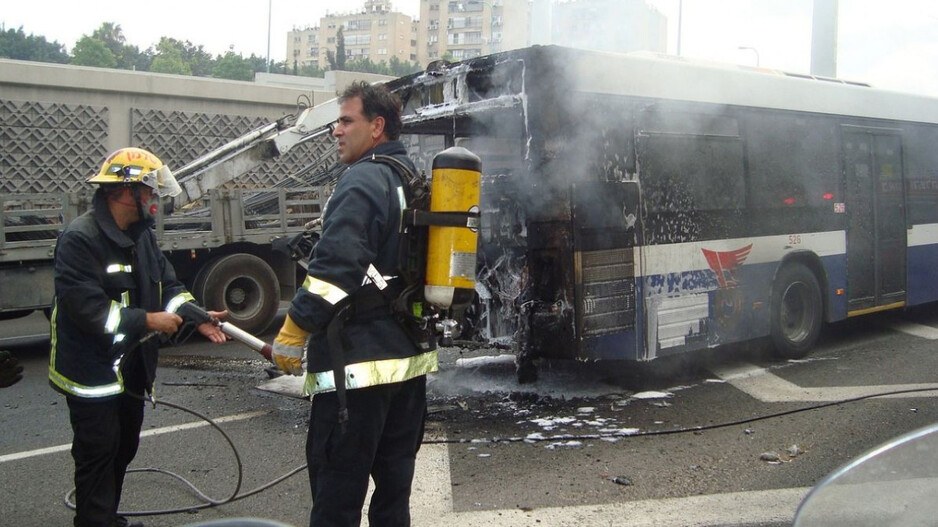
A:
[889,43]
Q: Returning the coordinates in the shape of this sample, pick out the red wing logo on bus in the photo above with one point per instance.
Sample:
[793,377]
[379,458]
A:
[725,263]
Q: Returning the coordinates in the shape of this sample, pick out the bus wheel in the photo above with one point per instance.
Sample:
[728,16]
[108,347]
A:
[796,312]
[244,285]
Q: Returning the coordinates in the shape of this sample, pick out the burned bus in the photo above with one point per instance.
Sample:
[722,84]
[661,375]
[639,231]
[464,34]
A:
[637,206]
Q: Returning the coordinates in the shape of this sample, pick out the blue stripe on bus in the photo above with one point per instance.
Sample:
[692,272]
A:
[922,286]
[736,313]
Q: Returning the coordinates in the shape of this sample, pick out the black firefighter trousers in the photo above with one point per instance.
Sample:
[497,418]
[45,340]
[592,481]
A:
[384,432]
[106,436]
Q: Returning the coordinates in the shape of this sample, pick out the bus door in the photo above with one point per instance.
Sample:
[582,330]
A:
[605,219]
[876,226]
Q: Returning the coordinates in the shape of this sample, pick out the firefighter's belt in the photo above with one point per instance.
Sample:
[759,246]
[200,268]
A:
[367,303]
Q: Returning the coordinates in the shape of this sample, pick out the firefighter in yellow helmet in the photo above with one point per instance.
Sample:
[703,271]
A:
[114,290]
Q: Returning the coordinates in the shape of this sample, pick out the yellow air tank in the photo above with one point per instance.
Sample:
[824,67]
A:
[451,251]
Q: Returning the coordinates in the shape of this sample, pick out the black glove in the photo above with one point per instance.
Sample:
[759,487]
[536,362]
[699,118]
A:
[10,370]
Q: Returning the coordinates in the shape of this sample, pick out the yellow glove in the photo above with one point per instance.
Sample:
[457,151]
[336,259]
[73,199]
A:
[288,348]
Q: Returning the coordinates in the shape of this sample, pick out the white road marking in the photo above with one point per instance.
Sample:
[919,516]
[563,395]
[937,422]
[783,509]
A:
[432,499]
[916,330]
[432,504]
[769,388]
[156,431]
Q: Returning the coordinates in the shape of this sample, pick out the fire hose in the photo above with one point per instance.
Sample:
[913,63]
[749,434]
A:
[200,316]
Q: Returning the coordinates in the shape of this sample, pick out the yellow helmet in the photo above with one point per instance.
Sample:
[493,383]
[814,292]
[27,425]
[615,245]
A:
[136,165]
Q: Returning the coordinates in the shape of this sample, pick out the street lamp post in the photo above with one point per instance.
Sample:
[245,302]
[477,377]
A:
[680,16]
[269,2]
[754,50]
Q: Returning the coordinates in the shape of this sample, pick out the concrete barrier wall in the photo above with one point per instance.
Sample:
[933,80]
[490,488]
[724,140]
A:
[58,122]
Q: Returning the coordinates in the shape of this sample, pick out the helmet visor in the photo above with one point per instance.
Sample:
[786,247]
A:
[162,182]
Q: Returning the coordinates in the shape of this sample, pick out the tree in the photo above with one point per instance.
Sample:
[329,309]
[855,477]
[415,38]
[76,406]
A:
[143,60]
[15,44]
[337,59]
[395,67]
[278,67]
[233,66]
[399,68]
[367,66]
[111,35]
[199,60]
[90,51]
[311,71]
[169,58]
[259,64]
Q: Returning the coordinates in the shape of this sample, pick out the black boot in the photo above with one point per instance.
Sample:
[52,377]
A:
[122,521]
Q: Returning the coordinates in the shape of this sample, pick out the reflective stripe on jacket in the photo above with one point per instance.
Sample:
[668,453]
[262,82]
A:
[373,373]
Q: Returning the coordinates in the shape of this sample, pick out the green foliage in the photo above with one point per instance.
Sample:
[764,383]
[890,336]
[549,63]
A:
[308,71]
[107,47]
[234,67]
[142,60]
[15,44]
[394,67]
[169,58]
[111,35]
[337,59]
[89,51]
[340,55]
[399,68]
[199,60]
[279,67]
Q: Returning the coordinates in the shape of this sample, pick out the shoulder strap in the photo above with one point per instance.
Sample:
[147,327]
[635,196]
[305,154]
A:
[416,192]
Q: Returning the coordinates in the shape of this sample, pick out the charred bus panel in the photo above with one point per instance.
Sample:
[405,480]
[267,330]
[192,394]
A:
[640,206]
[560,212]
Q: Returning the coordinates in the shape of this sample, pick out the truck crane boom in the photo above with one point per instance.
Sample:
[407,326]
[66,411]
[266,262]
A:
[243,153]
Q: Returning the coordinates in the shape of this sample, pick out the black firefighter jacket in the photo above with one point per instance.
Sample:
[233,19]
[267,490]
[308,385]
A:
[359,246]
[106,280]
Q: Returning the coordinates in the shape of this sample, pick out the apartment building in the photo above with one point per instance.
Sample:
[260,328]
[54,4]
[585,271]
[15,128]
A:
[375,32]
[463,29]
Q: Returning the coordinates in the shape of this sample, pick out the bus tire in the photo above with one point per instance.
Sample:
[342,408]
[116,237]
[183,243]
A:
[796,314]
[244,285]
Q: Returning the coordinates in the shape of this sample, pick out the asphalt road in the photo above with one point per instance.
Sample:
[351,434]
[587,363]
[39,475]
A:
[690,443]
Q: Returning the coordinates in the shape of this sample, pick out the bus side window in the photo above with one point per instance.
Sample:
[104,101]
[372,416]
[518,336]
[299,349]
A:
[793,161]
[690,161]
[922,175]
[692,173]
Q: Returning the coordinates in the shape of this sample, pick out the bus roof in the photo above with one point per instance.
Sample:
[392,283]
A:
[654,75]
[649,75]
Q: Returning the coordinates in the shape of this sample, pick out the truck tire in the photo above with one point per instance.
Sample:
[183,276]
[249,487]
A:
[11,315]
[796,311]
[244,285]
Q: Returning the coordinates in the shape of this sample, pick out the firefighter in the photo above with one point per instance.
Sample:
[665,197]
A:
[115,295]
[339,316]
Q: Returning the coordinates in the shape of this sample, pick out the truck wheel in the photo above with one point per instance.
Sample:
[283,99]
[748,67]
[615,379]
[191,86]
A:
[244,285]
[10,315]
[796,311]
